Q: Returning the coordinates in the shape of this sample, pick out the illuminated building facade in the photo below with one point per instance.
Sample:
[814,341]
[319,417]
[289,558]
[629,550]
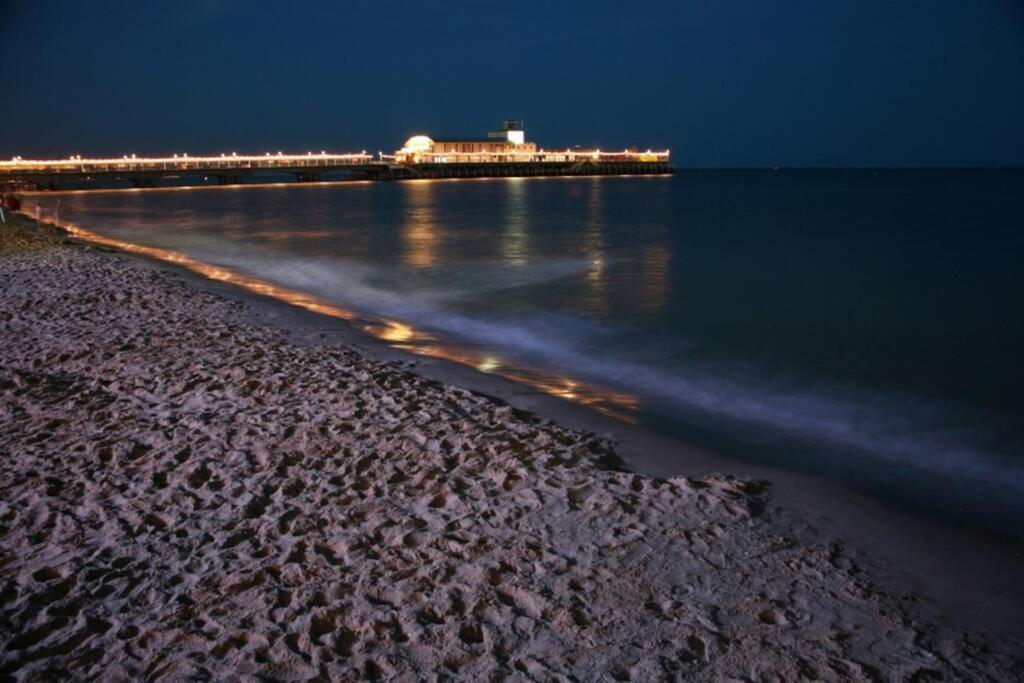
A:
[508,144]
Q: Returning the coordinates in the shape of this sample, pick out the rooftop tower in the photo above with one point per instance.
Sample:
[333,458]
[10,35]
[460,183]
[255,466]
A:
[510,130]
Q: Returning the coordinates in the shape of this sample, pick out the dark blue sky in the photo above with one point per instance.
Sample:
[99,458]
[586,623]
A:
[721,82]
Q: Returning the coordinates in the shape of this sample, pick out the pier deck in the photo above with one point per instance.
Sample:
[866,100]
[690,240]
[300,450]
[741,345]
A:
[235,169]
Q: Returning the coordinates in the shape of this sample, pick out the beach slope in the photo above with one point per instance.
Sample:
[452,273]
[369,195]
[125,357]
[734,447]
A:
[186,494]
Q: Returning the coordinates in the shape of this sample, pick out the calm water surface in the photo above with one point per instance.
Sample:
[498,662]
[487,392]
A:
[863,325]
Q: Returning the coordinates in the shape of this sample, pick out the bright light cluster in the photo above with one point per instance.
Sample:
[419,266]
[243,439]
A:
[417,149]
[184,161]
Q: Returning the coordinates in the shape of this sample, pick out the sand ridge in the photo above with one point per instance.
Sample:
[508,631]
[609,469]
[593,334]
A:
[184,494]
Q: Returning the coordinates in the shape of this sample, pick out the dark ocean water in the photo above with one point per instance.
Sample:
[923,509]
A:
[864,325]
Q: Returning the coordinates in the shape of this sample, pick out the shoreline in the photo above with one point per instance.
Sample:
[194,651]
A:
[794,499]
[906,548]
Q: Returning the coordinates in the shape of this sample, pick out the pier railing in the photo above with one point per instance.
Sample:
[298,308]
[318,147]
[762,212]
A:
[226,162]
[183,162]
[229,169]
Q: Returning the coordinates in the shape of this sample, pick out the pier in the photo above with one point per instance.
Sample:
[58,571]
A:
[226,169]
[234,169]
[514,169]
[503,153]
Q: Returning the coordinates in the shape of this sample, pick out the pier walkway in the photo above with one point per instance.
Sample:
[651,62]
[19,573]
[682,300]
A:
[311,167]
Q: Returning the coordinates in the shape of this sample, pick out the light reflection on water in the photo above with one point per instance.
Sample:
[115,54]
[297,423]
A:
[399,335]
[515,237]
[420,229]
[656,260]
[810,318]
[596,297]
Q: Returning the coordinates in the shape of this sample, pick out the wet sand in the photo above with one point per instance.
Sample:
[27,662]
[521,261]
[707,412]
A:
[191,491]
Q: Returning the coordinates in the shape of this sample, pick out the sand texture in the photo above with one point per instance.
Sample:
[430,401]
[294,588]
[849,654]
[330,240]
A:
[185,495]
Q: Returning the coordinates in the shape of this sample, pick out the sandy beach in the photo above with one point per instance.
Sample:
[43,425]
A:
[186,494]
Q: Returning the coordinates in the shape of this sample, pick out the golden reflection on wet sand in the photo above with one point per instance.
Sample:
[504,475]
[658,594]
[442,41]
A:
[611,403]
[394,331]
[397,334]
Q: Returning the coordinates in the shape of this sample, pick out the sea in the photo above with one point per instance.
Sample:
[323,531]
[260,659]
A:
[862,325]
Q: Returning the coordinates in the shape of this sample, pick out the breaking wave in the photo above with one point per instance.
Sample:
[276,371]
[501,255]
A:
[901,429]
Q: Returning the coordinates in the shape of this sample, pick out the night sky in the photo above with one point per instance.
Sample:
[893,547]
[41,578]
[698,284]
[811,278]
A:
[722,82]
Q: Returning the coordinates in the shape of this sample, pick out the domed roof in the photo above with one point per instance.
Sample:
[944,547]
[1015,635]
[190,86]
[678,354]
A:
[418,143]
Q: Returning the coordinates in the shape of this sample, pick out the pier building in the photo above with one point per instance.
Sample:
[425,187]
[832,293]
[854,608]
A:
[506,145]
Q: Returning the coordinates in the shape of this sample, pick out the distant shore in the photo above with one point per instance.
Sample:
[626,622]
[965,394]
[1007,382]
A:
[186,492]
